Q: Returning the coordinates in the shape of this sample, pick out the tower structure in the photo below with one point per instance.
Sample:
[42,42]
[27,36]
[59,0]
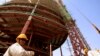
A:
[78,42]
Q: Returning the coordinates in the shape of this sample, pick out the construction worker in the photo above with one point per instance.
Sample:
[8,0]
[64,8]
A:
[85,51]
[94,53]
[17,49]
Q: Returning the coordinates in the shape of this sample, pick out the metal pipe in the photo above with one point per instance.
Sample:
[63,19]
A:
[30,39]
[29,19]
[51,49]
[5,1]
[68,43]
[61,51]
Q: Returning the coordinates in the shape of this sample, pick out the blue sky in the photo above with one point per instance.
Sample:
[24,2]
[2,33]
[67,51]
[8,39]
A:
[89,8]
[2,1]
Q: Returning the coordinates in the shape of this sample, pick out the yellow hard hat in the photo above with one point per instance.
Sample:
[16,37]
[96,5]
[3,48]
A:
[22,36]
[85,50]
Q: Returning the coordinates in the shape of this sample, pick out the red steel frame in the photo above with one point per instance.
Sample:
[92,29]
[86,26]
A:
[75,37]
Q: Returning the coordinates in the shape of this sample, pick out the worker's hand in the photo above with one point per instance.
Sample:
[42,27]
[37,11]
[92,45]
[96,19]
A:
[31,53]
[28,53]
[28,48]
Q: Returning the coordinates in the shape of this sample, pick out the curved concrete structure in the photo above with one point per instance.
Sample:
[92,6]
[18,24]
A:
[47,25]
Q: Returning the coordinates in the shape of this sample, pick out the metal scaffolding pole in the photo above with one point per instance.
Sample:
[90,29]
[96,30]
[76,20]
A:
[68,43]
[29,19]
[61,51]
[30,39]
[51,50]
[5,1]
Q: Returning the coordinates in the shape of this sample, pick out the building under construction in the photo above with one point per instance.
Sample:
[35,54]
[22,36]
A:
[46,23]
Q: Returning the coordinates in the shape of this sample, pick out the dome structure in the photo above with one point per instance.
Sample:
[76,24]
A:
[47,24]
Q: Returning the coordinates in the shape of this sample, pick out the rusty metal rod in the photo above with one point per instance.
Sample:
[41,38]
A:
[29,19]
[30,39]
